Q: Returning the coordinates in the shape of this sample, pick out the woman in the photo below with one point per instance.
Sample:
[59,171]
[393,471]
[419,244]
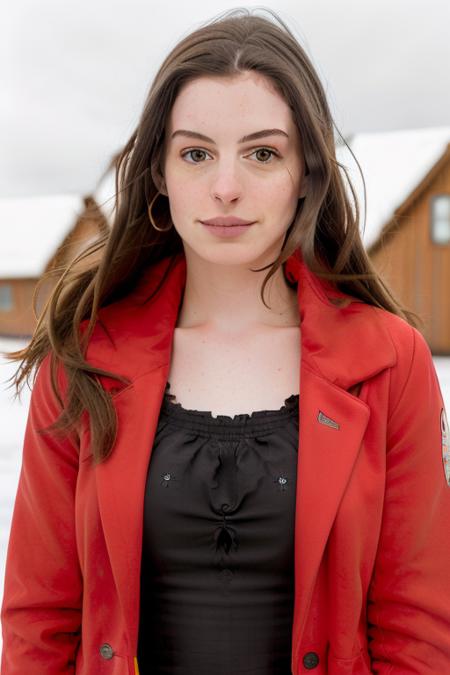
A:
[212,483]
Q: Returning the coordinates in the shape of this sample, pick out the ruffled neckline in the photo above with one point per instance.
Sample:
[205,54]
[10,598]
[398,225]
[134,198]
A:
[174,408]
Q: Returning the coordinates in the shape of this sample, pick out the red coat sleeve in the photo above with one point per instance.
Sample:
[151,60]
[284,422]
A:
[409,598]
[41,609]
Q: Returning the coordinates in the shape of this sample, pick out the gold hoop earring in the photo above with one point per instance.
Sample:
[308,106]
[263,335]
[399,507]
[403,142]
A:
[149,209]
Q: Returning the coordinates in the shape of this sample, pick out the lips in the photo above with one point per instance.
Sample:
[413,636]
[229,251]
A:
[226,221]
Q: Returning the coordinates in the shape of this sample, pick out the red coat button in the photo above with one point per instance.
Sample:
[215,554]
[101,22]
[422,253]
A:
[311,660]
[106,651]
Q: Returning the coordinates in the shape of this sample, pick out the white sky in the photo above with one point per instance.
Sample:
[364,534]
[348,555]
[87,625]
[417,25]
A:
[75,74]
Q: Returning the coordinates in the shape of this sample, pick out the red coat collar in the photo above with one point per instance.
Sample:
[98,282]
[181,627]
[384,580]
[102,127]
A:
[344,345]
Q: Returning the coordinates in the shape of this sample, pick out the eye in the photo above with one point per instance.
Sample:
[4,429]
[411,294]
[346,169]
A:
[272,153]
[263,149]
[188,152]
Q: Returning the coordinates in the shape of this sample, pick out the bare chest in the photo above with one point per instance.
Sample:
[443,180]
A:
[229,376]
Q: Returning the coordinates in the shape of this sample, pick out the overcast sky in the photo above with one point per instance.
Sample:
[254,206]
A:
[75,74]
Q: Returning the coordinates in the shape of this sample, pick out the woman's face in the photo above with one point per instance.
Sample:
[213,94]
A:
[258,180]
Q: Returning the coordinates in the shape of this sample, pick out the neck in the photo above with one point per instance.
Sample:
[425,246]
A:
[227,298]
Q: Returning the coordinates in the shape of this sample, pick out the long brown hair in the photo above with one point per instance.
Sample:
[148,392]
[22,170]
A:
[325,227]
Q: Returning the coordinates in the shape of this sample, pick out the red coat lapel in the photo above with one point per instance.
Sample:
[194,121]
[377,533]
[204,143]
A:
[340,347]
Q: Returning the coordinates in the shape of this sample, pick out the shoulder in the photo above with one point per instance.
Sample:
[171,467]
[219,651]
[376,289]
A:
[130,298]
[414,362]
[407,340]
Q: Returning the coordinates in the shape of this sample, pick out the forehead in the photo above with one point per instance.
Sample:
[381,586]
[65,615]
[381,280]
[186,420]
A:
[226,104]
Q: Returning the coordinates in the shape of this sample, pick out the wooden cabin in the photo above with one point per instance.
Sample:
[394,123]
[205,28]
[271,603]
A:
[39,234]
[407,227]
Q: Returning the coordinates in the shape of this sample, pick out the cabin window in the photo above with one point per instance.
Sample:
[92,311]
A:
[440,219]
[6,301]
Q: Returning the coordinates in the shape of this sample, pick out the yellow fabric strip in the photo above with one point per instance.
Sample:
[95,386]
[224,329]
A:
[136,667]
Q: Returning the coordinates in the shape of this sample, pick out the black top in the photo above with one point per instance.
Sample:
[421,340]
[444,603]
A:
[217,580]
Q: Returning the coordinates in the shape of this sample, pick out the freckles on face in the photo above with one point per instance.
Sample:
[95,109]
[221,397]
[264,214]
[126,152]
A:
[212,170]
[225,110]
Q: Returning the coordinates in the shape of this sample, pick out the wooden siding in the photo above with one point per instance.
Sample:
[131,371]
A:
[20,321]
[17,321]
[418,270]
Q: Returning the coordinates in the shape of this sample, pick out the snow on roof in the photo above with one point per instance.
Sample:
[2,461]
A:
[32,228]
[393,163]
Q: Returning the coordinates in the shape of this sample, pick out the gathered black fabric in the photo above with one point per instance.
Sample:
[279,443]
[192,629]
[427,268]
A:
[217,579]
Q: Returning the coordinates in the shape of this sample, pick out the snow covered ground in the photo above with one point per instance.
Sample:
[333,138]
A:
[13,416]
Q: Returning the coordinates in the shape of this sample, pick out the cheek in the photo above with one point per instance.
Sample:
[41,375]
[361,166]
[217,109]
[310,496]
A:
[279,194]
[189,194]
[185,203]
[181,184]
[186,199]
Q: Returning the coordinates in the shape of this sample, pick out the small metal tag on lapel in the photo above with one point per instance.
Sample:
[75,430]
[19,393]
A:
[323,419]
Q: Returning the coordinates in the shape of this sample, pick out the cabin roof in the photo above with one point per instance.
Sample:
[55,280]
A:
[394,163]
[32,229]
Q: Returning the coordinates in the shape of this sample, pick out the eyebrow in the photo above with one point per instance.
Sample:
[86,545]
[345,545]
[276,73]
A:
[244,139]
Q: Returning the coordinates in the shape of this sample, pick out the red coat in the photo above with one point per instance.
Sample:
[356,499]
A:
[372,529]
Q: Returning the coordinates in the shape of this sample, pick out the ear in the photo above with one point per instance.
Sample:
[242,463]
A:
[158,179]
[304,187]
[162,187]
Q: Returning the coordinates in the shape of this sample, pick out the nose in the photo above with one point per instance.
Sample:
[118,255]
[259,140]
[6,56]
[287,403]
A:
[226,183]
